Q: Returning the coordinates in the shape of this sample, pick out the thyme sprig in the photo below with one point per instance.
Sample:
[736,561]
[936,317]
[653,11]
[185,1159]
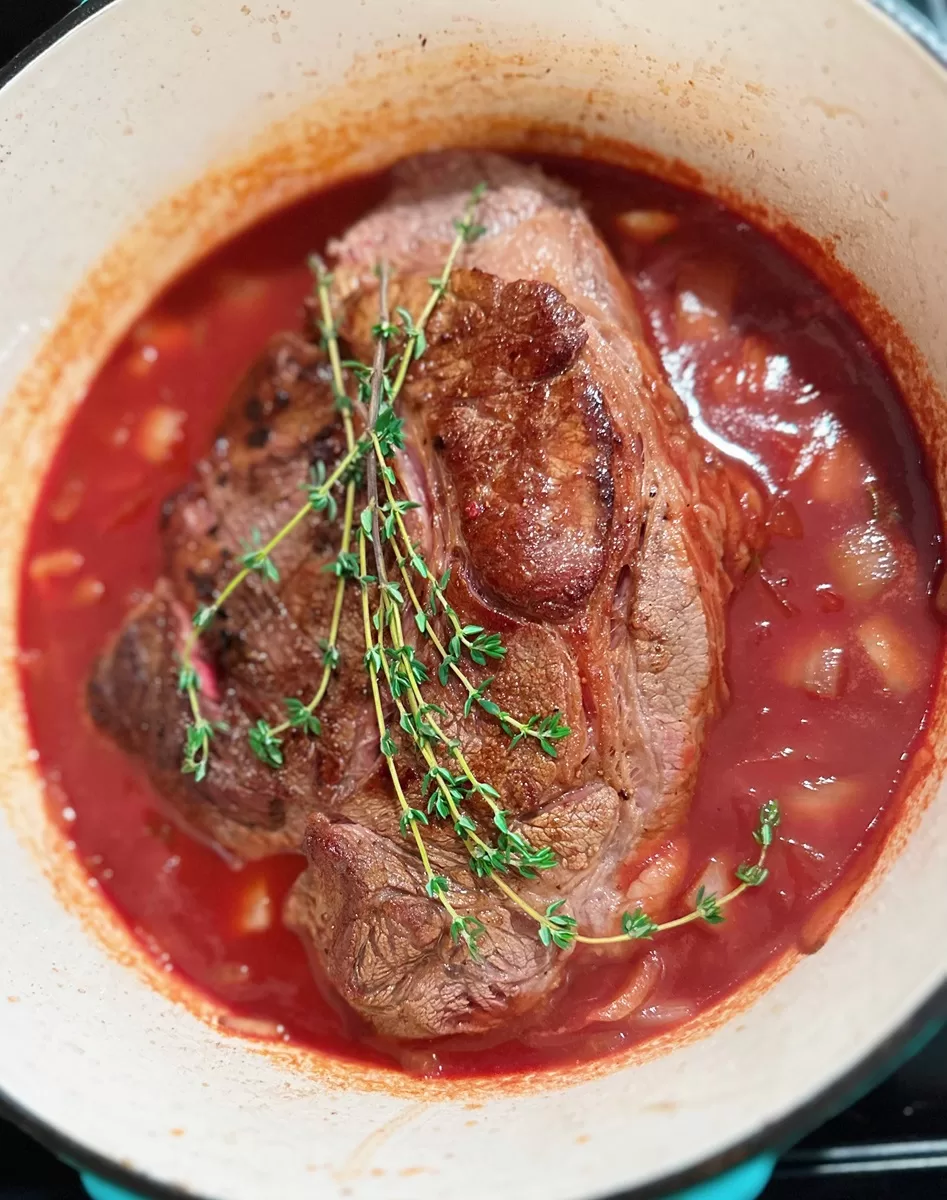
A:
[463,928]
[265,740]
[560,929]
[403,671]
[467,231]
[256,559]
[447,791]
[449,783]
[707,905]
[480,646]
[299,715]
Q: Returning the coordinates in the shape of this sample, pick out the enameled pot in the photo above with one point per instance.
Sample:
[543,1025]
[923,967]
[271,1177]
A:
[142,135]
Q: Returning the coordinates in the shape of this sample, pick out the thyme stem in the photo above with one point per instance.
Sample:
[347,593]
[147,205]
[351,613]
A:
[436,886]
[380,714]
[480,852]
[206,614]
[409,553]
[342,402]
[466,232]
[696,914]
[378,379]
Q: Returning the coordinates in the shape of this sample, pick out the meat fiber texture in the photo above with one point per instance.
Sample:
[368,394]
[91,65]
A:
[558,475]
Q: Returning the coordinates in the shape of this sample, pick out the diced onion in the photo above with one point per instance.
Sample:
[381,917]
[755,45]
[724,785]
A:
[891,652]
[820,798]
[141,361]
[162,334]
[644,979]
[255,911]
[160,430]
[863,563]
[64,506]
[829,601]
[423,1063]
[228,975]
[647,225]
[823,920]
[241,289]
[671,1012]
[753,365]
[716,879]
[258,1027]
[838,475]
[818,666]
[741,375]
[55,564]
[661,878]
[87,591]
[705,291]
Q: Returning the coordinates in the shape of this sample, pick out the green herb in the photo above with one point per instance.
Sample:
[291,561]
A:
[265,744]
[707,906]
[436,886]
[197,748]
[496,851]
[479,645]
[638,925]
[301,716]
[256,559]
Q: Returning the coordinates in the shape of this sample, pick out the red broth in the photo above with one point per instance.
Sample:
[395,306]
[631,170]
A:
[833,644]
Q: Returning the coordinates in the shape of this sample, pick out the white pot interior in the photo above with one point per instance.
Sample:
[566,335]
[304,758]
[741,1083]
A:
[808,109]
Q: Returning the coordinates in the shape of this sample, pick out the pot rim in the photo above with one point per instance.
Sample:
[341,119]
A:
[877,1062]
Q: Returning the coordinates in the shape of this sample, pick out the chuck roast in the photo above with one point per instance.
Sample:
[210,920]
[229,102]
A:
[558,476]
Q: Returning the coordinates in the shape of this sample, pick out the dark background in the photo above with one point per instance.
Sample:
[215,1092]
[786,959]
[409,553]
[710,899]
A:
[890,1146]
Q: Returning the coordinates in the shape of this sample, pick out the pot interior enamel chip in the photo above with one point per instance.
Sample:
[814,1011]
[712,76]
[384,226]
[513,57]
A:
[472,599]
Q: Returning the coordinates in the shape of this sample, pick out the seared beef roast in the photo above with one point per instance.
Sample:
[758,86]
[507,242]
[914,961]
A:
[559,477]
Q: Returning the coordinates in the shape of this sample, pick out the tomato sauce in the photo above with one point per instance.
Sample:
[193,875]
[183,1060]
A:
[833,643]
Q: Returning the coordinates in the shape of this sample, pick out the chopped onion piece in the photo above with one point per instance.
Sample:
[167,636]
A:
[647,225]
[823,920]
[255,913]
[160,430]
[754,365]
[778,588]
[829,601]
[55,564]
[258,1027]
[87,591]
[423,1063]
[65,504]
[227,975]
[162,334]
[821,798]
[705,291]
[242,289]
[742,376]
[672,1011]
[863,563]
[644,979]
[891,652]
[818,666]
[838,474]
[660,879]
[141,361]
[716,879]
